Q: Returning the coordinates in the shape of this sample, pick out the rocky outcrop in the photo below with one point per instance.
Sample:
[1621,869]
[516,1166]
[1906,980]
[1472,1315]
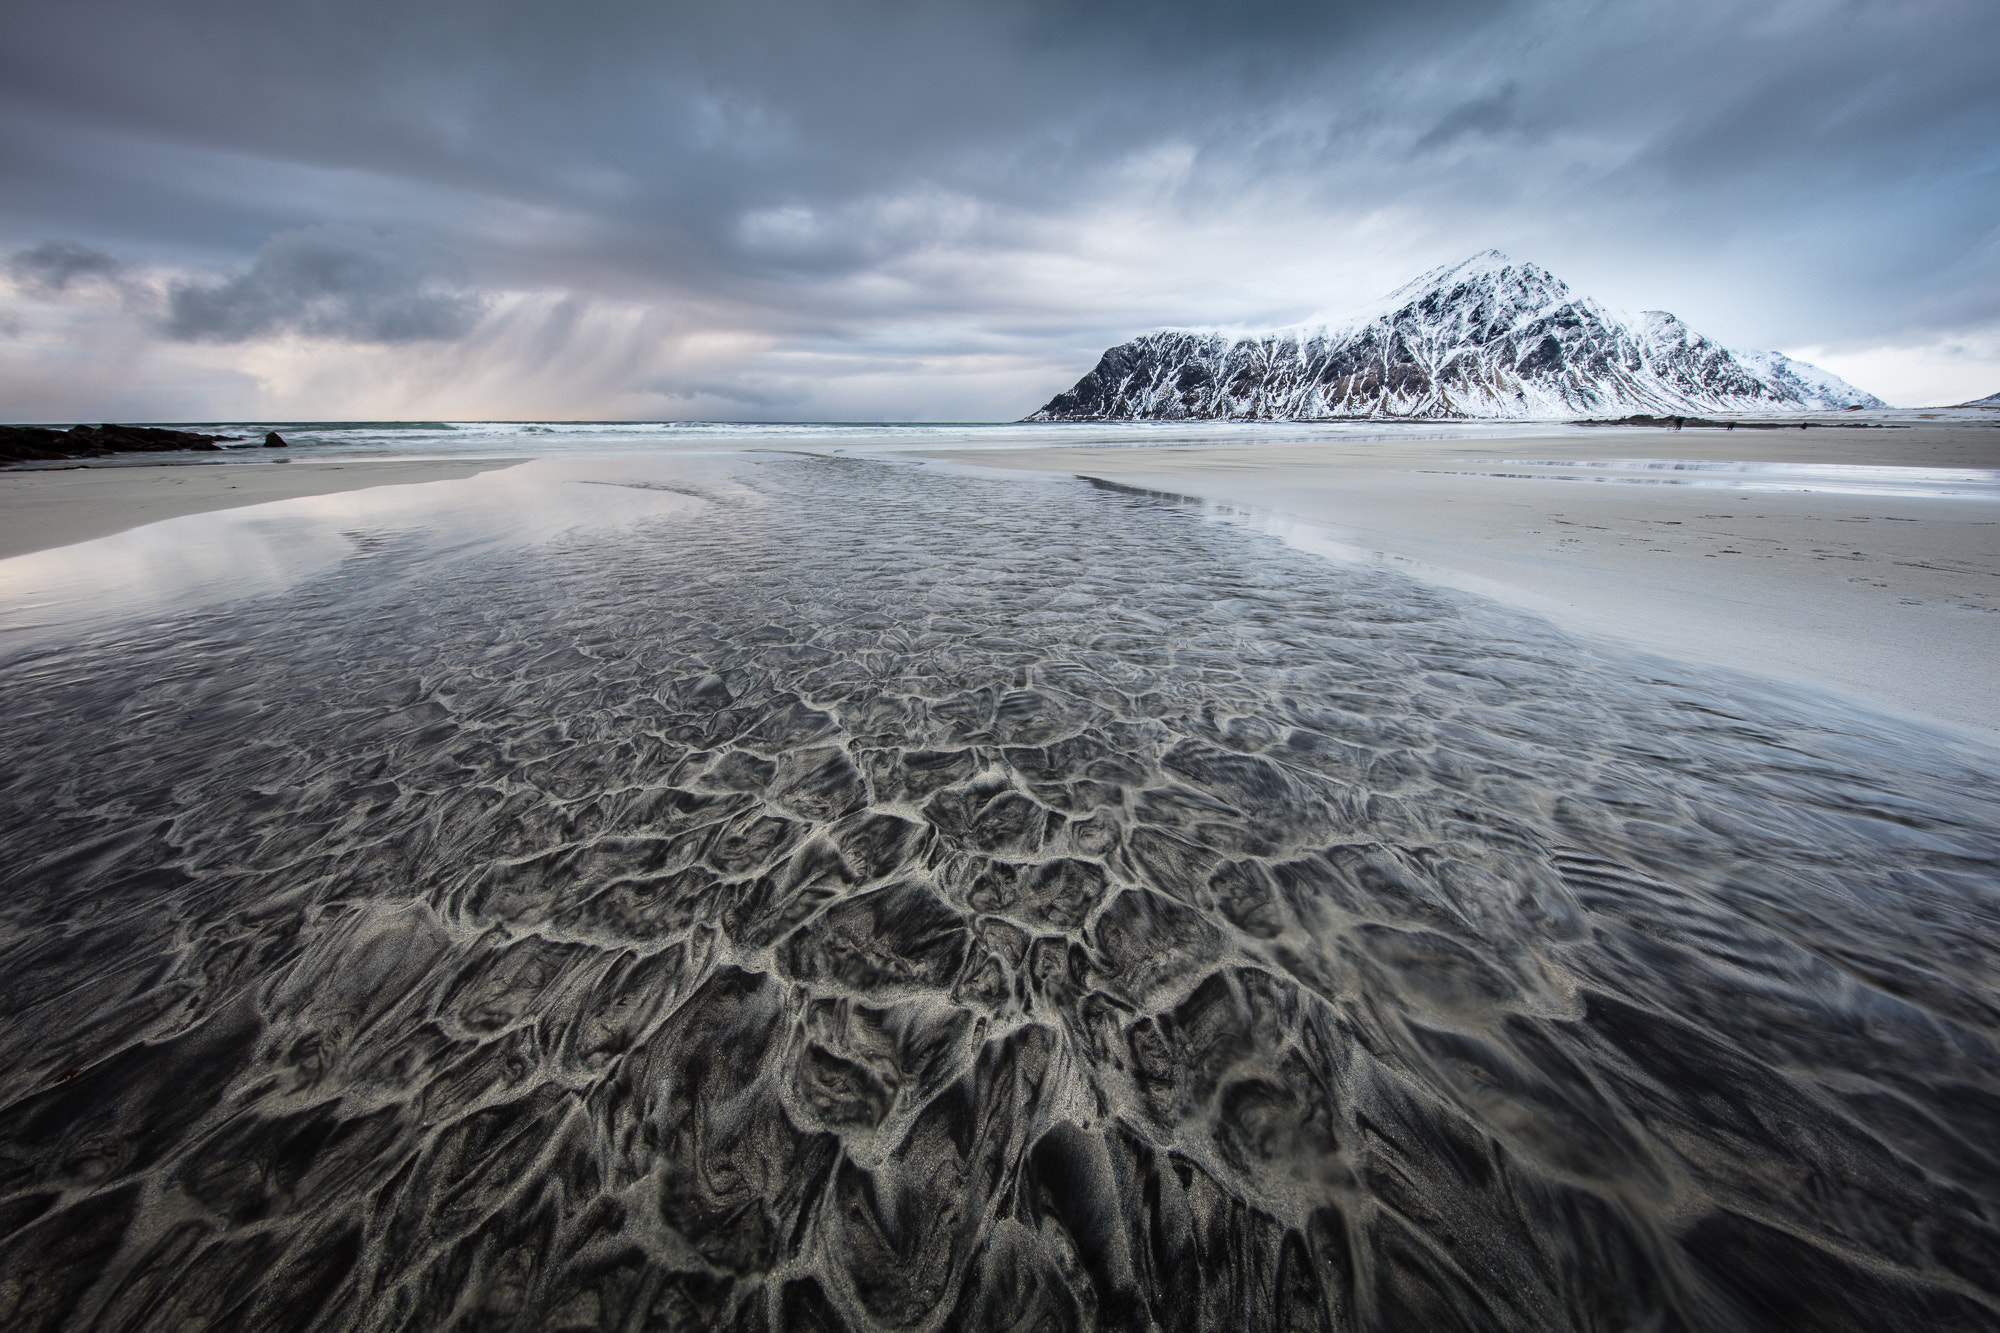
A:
[1485,338]
[1678,423]
[19,444]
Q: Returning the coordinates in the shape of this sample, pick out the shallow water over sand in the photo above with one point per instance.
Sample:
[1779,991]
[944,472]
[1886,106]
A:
[1915,483]
[866,896]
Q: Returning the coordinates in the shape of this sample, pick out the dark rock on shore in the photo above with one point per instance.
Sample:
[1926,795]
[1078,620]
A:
[20,444]
[1642,419]
[273,440]
[1675,423]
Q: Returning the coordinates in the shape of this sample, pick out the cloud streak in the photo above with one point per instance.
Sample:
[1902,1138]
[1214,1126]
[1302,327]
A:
[331,282]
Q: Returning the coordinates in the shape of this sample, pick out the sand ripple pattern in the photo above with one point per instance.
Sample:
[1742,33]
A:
[914,902]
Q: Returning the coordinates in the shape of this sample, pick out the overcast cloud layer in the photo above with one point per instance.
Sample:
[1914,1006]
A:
[941,210]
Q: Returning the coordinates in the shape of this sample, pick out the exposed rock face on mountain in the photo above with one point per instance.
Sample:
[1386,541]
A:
[1485,338]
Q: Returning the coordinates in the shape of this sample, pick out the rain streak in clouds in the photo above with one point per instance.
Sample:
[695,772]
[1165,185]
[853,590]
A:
[874,210]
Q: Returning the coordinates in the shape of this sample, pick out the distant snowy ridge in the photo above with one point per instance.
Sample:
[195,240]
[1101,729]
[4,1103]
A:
[1990,400]
[1483,338]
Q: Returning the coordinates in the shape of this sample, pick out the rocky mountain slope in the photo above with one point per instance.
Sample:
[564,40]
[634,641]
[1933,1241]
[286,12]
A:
[1484,338]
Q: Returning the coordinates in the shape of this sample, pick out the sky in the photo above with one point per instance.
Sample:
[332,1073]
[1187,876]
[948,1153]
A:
[941,209]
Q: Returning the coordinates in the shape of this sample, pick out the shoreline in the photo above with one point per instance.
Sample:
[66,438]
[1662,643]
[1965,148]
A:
[46,506]
[1892,599]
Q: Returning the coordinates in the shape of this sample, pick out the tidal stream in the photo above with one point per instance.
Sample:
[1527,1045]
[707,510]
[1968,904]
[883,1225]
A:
[864,896]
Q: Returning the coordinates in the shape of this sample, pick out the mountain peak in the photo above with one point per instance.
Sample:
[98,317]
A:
[1484,264]
[1483,268]
[1488,286]
[1484,337]
[1472,266]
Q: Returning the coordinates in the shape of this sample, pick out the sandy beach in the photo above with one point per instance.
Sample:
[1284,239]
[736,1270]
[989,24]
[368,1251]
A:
[49,506]
[1892,598]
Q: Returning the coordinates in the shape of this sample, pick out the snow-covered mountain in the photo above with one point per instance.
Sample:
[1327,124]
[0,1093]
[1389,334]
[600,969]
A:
[1990,400]
[1484,338]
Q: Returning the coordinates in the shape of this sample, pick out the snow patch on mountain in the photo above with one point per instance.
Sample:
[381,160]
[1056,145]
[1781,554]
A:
[1483,338]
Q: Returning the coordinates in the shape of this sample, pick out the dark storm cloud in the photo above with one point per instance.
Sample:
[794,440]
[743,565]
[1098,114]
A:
[328,282]
[1271,34]
[679,119]
[50,268]
[855,172]
[1482,115]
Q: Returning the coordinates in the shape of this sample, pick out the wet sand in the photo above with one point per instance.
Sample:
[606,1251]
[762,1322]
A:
[811,893]
[1896,599]
[49,506]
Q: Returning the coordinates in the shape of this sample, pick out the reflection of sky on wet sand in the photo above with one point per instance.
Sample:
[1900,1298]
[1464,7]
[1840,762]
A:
[1823,478]
[257,550]
[243,552]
